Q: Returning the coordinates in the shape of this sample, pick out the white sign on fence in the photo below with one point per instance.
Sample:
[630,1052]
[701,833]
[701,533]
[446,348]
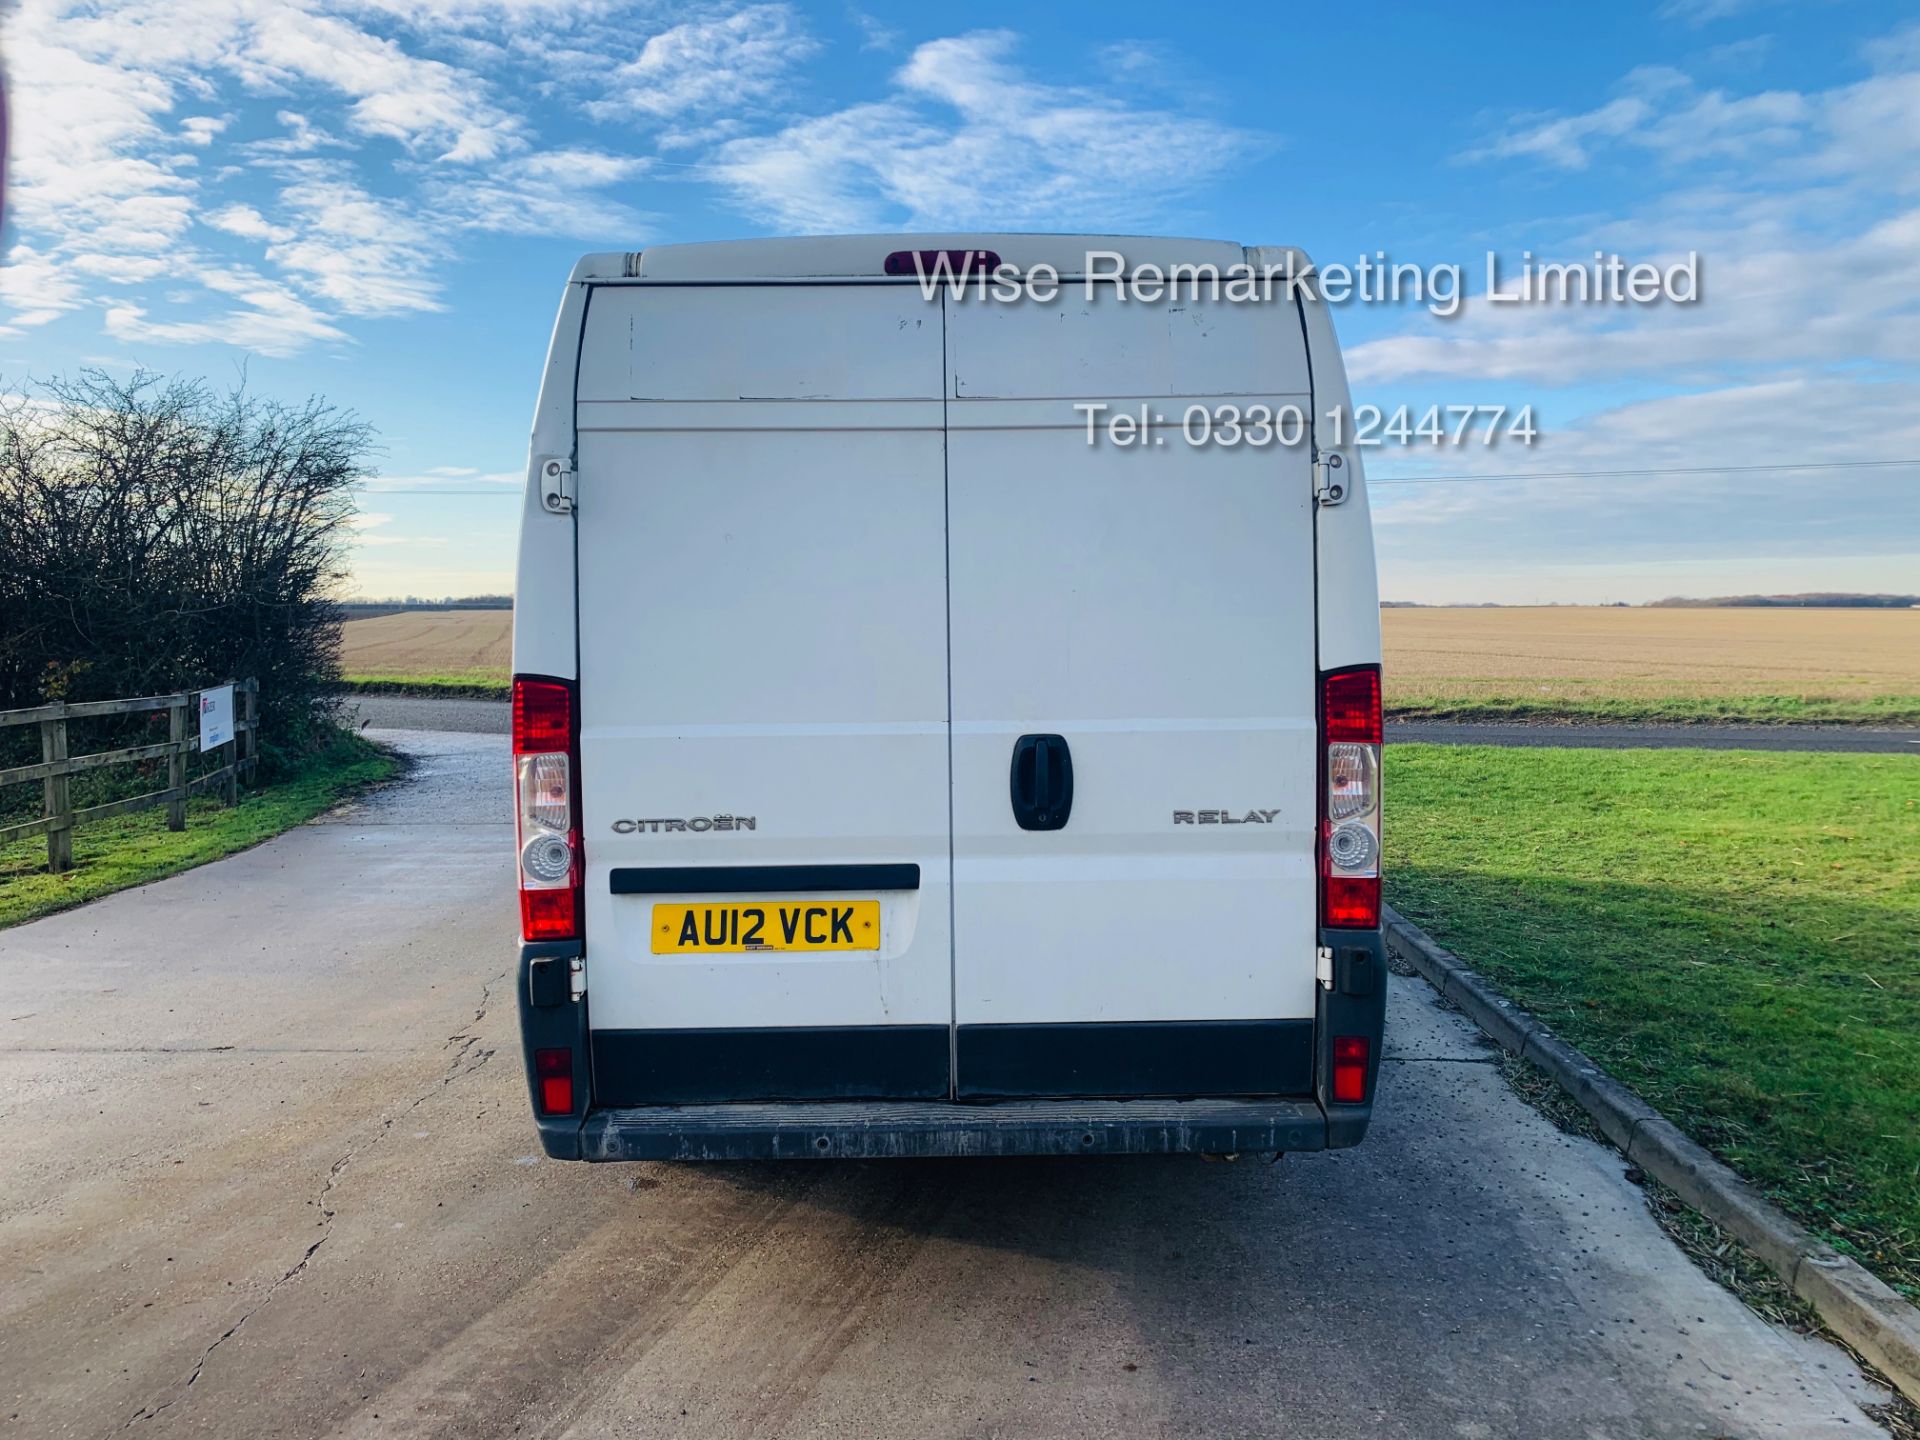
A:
[216,717]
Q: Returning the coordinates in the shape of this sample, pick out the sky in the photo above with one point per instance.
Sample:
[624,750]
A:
[379,201]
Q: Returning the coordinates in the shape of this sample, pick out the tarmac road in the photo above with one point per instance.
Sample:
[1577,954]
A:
[489,717]
[269,1170]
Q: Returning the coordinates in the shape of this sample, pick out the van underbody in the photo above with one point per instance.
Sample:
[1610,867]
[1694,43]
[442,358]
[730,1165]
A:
[910,765]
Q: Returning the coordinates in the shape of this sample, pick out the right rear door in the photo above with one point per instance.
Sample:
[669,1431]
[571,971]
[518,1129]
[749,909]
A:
[1148,612]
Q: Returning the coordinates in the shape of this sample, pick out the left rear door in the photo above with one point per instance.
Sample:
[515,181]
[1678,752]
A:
[763,684]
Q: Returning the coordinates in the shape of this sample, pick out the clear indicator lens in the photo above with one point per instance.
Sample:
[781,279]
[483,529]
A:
[547,859]
[546,791]
[1353,848]
[1353,776]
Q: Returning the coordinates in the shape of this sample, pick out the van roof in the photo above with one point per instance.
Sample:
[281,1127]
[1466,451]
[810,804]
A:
[819,256]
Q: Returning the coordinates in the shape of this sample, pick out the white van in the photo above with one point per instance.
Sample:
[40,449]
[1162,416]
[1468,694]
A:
[946,721]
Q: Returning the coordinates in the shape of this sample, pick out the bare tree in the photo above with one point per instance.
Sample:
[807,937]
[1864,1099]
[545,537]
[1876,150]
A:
[156,536]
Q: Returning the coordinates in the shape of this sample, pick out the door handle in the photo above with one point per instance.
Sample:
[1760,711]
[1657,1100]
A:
[1041,782]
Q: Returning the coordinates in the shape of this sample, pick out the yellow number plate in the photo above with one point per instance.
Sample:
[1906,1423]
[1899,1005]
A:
[736,927]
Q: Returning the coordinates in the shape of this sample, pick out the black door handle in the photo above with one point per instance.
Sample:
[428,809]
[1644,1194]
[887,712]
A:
[1041,782]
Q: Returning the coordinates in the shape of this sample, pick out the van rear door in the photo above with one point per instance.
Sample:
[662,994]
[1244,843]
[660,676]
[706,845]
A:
[1146,616]
[763,692]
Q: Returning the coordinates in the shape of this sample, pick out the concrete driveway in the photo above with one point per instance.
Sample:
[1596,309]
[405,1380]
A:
[269,1170]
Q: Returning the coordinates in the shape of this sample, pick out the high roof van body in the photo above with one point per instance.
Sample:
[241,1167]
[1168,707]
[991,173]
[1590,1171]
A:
[946,720]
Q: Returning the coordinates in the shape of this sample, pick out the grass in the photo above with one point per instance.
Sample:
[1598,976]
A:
[461,685]
[1735,935]
[1889,710]
[136,849]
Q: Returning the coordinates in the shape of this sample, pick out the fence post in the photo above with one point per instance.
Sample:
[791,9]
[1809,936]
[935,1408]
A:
[250,711]
[53,746]
[177,765]
[230,762]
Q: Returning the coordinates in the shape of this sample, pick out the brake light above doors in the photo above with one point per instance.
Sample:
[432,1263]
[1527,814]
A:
[1350,735]
[545,753]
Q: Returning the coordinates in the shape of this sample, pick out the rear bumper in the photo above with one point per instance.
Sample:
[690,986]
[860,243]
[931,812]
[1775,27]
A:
[905,1129]
[703,1128]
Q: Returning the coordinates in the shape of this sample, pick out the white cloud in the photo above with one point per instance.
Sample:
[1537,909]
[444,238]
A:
[875,34]
[115,103]
[245,221]
[301,137]
[969,139]
[364,254]
[713,62]
[35,289]
[200,129]
[1788,299]
[455,477]
[1804,209]
[1854,129]
[1540,525]
[1701,12]
[548,192]
[371,527]
[268,317]
[432,108]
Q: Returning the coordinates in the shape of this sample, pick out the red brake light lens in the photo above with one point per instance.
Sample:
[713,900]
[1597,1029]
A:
[1351,704]
[550,914]
[1350,1053]
[554,1070]
[1353,902]
[542,715]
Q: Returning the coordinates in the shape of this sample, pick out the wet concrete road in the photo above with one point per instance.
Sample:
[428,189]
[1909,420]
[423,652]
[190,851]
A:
[489,717]
[269,1171]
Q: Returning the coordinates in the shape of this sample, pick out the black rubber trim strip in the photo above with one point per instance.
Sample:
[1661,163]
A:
[1134,1059]
[812,1062]
[754,879]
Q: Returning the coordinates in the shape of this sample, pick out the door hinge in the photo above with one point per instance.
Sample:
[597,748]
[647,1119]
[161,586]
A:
[556,485]
[1329,479]
[576,978]
[1323,967]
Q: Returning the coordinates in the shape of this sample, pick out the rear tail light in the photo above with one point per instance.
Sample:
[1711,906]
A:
[1350,736]
[554,1070]
[545,749]
[1350,1053]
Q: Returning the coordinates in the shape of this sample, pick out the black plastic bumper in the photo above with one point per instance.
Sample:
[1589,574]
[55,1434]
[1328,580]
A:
[870,1129]
[905,1129]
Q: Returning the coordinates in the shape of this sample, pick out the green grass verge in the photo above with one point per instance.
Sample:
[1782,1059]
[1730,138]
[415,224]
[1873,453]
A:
[126,850]
[1734,935]
[1655,710]
[458,685]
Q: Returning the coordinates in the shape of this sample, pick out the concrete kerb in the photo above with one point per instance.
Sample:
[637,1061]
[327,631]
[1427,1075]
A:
[1859,1308]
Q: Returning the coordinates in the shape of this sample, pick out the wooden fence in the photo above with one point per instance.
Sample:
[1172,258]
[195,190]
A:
[238,755]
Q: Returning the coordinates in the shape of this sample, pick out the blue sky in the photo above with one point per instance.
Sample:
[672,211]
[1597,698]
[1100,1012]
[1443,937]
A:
[378,200]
